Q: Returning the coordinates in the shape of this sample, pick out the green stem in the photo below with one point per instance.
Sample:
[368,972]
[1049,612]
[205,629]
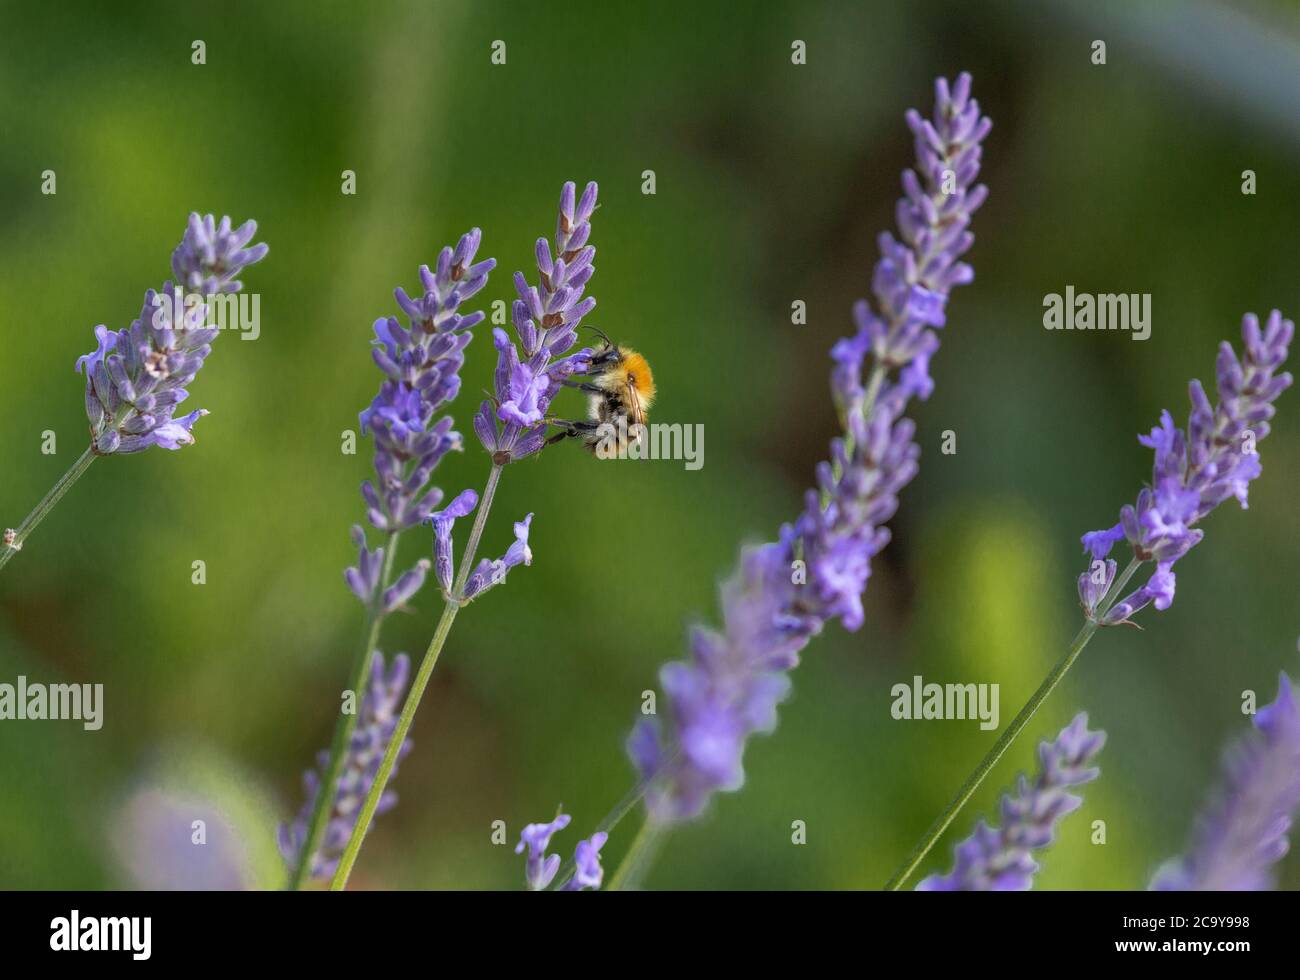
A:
[449,611]
[476,532]
[347,724]
[621,809]
[639,856]
[14,543]
[1012,732]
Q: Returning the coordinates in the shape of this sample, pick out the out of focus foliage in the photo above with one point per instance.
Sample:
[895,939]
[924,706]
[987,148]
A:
[772,183]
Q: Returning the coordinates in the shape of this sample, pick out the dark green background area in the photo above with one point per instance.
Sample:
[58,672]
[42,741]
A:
[773,181]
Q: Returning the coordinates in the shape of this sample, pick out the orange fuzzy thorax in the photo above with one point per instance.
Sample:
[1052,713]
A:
[633,370]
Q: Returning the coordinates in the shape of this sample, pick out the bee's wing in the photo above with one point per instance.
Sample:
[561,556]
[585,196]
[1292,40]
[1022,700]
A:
[636,414]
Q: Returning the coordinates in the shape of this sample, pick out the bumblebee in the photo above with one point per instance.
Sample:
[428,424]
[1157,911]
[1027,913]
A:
[621,389]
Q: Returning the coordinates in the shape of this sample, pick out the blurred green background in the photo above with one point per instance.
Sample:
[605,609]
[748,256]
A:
[773,182]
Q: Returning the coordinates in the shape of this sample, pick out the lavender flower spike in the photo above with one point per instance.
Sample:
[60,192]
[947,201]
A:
[211,255]
[546,317]
[786,591]
[421,365]
[136,378]
[1197,469]
[999,859]
[375,725]
[1243,834]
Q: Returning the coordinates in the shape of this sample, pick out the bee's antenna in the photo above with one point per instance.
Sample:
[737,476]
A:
[602,335]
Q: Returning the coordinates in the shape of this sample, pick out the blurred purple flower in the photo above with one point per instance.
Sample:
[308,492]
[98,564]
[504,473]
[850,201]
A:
[1199,469]
[546,318]
[136,378]
[998,859]
[376,722]
[1243,833]
[786,591]
[364,579]
[407,584]
[154,842]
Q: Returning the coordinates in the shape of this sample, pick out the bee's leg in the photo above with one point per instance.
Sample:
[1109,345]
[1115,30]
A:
[560,436]
[572,425]
[610,356]
[585,386]
[569,429]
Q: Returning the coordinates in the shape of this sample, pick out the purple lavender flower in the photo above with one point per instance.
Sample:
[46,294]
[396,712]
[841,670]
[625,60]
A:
[1199,469]
[1243,834]
[546,318]
[407,584]
[364,579]
[375,725]
[443,521]
[786,591]
[153,841]
[999,859]
[1095,583]
[490,572]
[211,255]
[136,378]
[588,874]
[421,365]
[540,868]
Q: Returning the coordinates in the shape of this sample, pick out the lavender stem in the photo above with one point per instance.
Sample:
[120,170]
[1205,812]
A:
[621,809]
[476,533]
[1011,733]
[13,544]
[412,704]
[640,855]
[347,723]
